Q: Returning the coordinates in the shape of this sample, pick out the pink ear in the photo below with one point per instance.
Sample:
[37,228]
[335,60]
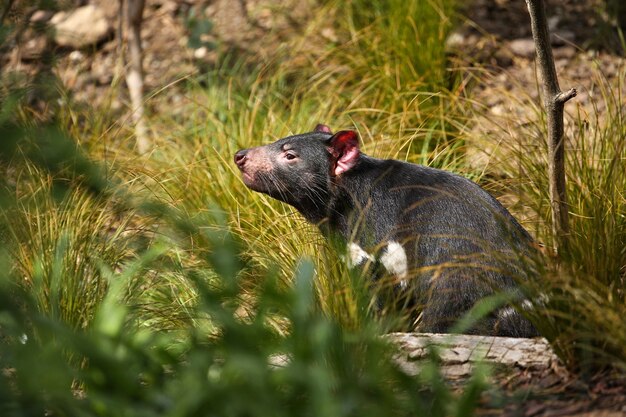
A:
[344,146]
[322,128]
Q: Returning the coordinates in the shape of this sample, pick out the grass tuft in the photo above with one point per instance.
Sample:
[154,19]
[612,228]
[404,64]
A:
[582,293]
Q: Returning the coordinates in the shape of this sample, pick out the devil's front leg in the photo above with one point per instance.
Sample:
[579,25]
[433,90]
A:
[385,270]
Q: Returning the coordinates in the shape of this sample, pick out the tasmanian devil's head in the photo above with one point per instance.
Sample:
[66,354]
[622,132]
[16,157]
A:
[299,169]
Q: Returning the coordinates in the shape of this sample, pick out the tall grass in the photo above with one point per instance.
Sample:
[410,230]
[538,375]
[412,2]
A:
[59,242]
[590,281]
[346,85]
[215,262]
[387,78]
[380,80]
[582,291]
[319,368]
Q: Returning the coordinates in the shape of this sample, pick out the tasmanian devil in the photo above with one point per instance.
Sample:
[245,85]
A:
[443,241]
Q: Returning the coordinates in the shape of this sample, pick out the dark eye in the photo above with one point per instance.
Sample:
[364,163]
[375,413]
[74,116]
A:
[290,155]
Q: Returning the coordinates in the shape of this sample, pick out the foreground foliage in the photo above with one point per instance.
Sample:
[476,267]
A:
[237,366]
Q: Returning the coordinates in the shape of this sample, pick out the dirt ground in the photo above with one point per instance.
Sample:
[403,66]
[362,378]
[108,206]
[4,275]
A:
[556,393]
[95,75]
[495,34]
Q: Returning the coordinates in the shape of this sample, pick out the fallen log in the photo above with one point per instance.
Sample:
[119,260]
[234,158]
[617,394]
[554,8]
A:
[458,354]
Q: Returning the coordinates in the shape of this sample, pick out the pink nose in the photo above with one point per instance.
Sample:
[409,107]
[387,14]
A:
[240,158]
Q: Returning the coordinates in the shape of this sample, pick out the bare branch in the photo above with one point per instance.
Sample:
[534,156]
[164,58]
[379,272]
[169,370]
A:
[134,73]
[554,101]
[566,96]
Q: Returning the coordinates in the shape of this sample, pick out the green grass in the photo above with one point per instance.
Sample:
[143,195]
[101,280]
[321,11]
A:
[583,291]
[349,86]
[58,241]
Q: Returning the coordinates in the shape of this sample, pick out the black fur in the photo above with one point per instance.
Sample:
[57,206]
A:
[461,243]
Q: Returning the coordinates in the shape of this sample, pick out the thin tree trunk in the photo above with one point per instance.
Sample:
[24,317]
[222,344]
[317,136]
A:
[6,10]
[134,73]
[554,100]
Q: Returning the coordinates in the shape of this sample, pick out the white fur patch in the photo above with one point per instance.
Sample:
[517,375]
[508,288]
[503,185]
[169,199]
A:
[506,312]
[356,255]
[395,261]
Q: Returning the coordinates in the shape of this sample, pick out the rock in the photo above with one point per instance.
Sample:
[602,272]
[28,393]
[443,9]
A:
[503,57]
[41,16]
[329,34]
[524,47]
[200,53]
[499,110]
[76,56]
[34,48]
[81,27]
[101,70]
[456,41]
